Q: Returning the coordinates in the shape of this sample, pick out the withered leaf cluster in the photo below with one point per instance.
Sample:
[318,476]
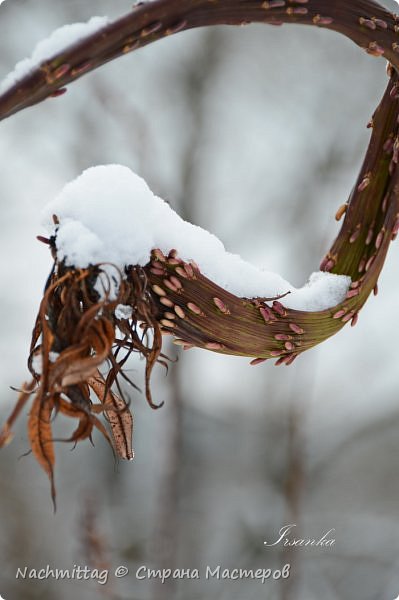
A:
[77,336]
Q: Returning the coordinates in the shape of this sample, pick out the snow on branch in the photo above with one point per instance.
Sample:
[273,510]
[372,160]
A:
[365,22]
[59,39]
[109,215]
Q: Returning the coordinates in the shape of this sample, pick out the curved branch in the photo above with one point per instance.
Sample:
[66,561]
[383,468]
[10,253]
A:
[249,328]
[365,22]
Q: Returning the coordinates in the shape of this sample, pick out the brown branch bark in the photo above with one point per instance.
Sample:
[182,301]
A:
[365,22]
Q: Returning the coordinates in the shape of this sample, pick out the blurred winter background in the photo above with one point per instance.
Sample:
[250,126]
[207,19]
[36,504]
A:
[257,134]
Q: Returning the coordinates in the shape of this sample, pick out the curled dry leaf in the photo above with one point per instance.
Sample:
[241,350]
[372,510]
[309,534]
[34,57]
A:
[6,434]
[118,415]
[40,437]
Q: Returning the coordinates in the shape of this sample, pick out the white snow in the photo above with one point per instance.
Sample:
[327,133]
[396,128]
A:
[109,214]
[58,40]
[37,365]
[122,311]
[107,283]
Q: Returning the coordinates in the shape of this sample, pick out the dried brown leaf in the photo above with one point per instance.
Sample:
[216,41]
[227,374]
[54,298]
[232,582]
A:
[118,414]
[40,437]
[6,434]
[100,337]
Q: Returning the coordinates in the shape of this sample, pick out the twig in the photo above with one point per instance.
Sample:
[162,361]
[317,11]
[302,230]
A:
[365,22]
